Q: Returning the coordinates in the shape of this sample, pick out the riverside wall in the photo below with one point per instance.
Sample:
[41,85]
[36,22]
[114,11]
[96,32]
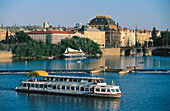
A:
[111,51]
[5,54]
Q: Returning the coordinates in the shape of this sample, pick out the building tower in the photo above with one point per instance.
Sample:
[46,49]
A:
[7,39]
[46,24]
[136,31]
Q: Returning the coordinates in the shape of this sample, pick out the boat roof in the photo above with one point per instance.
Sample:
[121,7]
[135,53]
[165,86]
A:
[79,84]
[72,77]
[37,73]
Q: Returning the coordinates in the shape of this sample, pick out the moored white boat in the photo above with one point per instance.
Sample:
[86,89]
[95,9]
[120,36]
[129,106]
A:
[69,52]
[69,85]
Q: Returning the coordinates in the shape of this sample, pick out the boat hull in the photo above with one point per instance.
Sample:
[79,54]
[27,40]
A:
[73,94]
[73,55]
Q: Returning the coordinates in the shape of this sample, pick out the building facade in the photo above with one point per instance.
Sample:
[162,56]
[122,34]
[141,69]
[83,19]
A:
[142,36]
[112,35]
[2,34]
[55,36]
[46,24]
[96,35]
[127,37]
[102,21]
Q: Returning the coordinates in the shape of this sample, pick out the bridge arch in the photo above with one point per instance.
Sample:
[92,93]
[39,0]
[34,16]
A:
[161,52]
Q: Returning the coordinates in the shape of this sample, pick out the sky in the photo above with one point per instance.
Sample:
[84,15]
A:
[145,14]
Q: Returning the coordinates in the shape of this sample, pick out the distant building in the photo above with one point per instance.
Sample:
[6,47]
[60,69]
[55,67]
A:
[46,24]
[127,37]
[112,34]
[78,25]
[2,34]
[56,36]
[103,21]
[94,34]
[142,36]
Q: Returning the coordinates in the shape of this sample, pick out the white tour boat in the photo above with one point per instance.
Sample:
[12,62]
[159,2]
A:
[69,52]
[69,85]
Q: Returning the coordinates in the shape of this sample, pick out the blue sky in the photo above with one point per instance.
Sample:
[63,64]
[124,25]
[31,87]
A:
[128,13]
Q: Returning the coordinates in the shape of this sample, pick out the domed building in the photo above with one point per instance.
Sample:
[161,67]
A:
[112,34]
[104,21]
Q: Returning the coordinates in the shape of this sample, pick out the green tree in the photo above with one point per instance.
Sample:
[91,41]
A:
[48,39]
[2,46]
[18,52]
[154,36]
[21,37]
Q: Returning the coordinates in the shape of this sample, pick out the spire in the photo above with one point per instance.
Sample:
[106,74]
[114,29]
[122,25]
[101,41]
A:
[156,27]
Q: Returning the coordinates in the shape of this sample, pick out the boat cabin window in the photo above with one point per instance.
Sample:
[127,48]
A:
[47,79]
[112,90]
[102,81]
[79,80]
[41,85]
[108,90]
[87,89]
[57,79]
[63,87]
[97,90]
[98,81]
[58,87]
[77,88]
[24,85]
[32,85]
[28,84]
[82,89]
[45,86]
[117,90]
[60,79]
[75,80]
[65,79]
[103,90]
[53,87]
[36,85]
[49,85]
[72,87]
[68,87]
[89,80]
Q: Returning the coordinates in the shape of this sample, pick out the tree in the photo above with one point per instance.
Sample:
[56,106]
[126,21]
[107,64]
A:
[18,52]
[21,37]
[2,46]
[48,39]
[154,36]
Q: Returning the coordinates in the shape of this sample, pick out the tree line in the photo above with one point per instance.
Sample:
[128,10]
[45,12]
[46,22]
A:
[23,45]
[163,40]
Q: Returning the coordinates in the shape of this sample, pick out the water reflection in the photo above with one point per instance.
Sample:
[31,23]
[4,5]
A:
[61,102]
[88,63]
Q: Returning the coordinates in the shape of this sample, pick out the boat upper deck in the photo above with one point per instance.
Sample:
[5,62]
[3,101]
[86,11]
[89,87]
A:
[64,83]
[73,77]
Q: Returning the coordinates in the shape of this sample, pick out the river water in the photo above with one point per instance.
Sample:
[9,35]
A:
[142,92]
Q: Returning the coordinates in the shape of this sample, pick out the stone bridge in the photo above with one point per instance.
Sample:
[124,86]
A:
[145,51]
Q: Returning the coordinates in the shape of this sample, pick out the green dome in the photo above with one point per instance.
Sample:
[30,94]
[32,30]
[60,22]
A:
[102,21]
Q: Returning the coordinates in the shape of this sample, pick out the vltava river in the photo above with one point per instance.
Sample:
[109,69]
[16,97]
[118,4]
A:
[143,92]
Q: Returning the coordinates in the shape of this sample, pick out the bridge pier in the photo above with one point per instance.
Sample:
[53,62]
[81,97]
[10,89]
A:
[123,52]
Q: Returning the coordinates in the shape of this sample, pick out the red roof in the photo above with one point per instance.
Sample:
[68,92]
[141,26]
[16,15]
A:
[50,32]
[126,28]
